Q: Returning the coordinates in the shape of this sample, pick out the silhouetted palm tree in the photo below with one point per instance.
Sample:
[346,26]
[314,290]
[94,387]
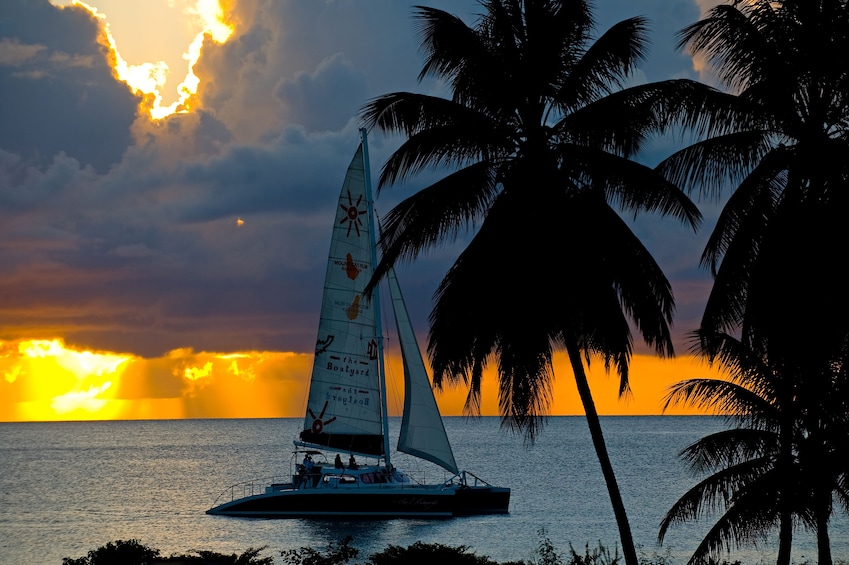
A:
[782,463]
[788,164]
[538,134]
[752,464]
[773,248]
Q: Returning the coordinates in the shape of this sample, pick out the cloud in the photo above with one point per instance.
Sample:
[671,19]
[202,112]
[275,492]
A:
[59,93]
[336,86]
[119,233]
[15,54]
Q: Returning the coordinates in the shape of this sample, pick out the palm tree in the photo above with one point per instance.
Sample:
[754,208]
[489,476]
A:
[537,136]
[752,464]
[788,165]
[788,162]
[779,466]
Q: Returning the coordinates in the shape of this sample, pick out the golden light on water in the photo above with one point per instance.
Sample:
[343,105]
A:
[150,78]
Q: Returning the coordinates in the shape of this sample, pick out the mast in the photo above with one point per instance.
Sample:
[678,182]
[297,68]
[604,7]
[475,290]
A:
[376,300]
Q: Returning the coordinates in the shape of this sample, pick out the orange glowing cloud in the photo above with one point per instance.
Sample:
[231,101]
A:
[650,378]
[45,380]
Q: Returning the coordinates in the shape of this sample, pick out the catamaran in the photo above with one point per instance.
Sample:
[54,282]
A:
[347,408]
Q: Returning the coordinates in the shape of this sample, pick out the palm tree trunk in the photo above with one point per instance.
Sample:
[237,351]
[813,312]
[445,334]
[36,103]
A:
[785,517]
[785,536]
[823,542]
[625,537]
[823,512]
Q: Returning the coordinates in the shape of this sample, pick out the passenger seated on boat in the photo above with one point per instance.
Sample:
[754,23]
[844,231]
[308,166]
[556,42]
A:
[338,462]
[352,463]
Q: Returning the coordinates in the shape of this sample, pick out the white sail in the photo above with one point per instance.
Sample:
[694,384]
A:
[344,405]
[422,432]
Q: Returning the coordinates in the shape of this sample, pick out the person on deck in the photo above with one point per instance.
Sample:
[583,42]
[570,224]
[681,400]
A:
[352,463]
[306,469]
[338,462]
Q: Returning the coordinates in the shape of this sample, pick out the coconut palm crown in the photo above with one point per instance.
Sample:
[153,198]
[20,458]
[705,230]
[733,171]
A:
[538,133]
[788,166]
[536,142]
[779,467]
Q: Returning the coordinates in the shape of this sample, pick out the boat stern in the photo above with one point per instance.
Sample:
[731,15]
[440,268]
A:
[476,500]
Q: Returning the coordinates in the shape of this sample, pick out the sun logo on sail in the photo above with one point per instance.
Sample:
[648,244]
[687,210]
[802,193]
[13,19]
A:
[318,422]
[352,214]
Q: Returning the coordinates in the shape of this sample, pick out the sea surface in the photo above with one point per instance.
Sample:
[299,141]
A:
[70,487]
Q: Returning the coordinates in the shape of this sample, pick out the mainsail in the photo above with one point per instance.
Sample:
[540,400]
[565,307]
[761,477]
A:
[347,388]
[344,405]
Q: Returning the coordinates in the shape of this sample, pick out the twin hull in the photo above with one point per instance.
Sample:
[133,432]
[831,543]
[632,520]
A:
[379,501]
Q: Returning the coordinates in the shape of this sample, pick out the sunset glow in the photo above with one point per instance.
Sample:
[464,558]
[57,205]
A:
[149,79]
[158,237]
[47,380]
[53,382]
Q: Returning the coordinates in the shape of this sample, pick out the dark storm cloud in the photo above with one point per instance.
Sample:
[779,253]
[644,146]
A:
[335,86]
[58,91]
[294,176]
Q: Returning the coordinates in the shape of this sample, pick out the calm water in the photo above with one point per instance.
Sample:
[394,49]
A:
[67,488]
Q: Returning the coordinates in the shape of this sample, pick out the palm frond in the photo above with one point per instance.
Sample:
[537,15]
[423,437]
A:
[432,215]
[747,521]
[713,395]
[446,41]
[716,163]
[627,184]
[731,42]
[744,218]
[604,65]
[747,452]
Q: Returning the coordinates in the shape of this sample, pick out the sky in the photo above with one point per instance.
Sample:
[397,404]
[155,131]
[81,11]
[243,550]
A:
[168,175]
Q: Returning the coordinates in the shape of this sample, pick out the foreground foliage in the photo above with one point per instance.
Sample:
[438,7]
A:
[133,552]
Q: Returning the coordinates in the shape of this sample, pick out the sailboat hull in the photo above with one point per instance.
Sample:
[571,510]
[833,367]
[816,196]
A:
[378,501]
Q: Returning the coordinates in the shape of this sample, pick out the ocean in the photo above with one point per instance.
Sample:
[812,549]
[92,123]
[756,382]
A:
[70,487]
